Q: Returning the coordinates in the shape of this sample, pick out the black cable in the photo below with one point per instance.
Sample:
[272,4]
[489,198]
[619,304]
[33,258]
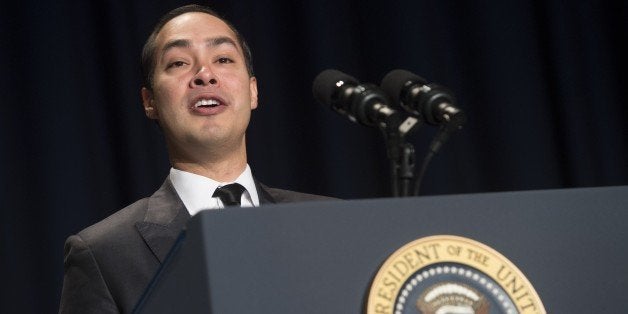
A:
[440,138]
[419,179]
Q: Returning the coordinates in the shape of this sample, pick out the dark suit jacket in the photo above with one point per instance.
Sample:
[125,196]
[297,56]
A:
[108,265]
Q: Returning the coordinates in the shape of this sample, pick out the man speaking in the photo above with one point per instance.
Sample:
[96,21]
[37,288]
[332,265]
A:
[200,88]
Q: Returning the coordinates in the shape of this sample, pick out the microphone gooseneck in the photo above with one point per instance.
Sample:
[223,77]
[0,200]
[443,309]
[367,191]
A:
[362,103]
[432,103]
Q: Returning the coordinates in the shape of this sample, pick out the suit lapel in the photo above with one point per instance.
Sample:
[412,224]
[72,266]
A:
[165,218]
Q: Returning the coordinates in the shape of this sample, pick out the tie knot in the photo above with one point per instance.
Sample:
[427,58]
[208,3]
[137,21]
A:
[230,194]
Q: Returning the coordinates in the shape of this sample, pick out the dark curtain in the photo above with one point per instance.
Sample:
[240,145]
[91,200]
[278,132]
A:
[540,82]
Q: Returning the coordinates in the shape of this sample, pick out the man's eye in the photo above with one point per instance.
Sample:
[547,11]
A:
[224,60]
[176,64]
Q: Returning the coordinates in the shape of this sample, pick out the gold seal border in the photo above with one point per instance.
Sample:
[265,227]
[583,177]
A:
[423,252]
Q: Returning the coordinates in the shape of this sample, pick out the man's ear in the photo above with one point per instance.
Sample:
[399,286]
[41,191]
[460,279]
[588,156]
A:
[253,87]
[147,102]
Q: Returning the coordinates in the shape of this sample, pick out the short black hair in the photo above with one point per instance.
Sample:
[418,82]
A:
[148,52]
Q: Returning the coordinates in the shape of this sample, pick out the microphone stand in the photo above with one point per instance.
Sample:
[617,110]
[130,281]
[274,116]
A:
[401,155]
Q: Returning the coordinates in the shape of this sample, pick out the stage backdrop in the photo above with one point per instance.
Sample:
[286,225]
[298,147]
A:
[540,81]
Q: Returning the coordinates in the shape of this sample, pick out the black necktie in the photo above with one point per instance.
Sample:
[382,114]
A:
[230,194]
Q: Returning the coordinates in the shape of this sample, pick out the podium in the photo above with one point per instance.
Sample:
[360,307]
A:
[321,257]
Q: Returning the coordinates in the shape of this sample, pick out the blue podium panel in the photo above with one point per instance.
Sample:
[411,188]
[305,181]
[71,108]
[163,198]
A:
[321,257]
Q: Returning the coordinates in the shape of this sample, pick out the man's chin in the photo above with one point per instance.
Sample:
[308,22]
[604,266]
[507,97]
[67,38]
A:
[214,143]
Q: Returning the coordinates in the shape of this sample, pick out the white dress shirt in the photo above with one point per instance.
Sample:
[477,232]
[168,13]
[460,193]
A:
[196,191]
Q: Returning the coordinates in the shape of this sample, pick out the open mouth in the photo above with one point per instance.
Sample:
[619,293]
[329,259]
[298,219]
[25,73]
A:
[207,103]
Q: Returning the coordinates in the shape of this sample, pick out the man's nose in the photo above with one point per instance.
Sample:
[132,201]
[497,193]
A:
[204,77]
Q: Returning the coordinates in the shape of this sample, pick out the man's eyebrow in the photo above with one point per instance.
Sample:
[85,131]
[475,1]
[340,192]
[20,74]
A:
[177,43]
[211,42]
[217,41]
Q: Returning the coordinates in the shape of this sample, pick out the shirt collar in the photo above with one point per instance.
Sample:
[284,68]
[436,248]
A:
[196,191]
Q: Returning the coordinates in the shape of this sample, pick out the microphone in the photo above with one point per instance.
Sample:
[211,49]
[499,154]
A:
[362,103]
[434,104]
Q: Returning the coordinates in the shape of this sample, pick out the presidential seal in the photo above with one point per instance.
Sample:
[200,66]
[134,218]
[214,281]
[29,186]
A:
[449,274]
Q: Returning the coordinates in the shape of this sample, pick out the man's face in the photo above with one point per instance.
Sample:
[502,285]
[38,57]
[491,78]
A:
[202,94]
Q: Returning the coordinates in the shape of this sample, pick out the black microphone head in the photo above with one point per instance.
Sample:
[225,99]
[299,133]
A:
[327,83]
[395,82]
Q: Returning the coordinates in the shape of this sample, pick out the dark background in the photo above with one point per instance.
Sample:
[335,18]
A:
[540,81]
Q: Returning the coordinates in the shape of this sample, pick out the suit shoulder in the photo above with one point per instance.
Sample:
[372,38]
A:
[287,196]
[117,224]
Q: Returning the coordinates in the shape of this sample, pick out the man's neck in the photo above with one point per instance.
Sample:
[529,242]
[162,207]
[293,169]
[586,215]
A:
[223,171]
[224,167]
